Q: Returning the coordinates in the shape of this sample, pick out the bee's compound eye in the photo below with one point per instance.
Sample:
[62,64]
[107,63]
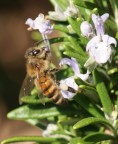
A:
[35,52]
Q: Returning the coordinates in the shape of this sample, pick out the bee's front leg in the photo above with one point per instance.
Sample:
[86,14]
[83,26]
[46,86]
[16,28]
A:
[54,70]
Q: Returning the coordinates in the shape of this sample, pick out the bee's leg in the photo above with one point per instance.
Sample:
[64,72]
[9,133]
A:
[39,42]
[57,82]
[54,70]
[52,73]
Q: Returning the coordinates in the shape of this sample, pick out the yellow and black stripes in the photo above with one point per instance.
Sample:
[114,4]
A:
[50,89]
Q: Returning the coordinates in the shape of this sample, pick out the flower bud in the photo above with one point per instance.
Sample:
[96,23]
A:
[86,29]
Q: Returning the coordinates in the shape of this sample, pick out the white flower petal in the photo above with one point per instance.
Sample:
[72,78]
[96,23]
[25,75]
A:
[109,40]
[58,14]
[41,24]
[71,62]
[101,54]
[94,18]
[84,77]
[67,94]
[41,16]
[105,17]
[70,82]
[93,43]
[99,23]
[64,84]
[55,16]
[99,46]
[30,22]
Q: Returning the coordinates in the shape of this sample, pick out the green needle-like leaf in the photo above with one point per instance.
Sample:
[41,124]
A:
[61,28]
[34,100]
[38,123]
[58,39]
[68,121]
[89,91]
[81,82]
[112,71]
[102,91]
[79,57]
[85,102]
[79,141]
[77,47]
[85,4]
[111,25]
[26,112]
[94,11]
[91,120]
[75,25]
[39,112]
[97,137]
[41,140]
[61,3]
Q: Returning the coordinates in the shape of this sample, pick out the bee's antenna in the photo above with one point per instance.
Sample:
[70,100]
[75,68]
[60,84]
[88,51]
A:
[39,42]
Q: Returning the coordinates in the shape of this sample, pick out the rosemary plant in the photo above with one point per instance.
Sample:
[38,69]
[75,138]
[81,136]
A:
[87,43]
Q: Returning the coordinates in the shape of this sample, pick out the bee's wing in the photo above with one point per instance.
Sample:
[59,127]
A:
[26,88]
[40,93]
[41,96]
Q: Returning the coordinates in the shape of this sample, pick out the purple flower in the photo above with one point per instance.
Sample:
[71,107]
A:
[44,27]
[41,24]
[99,23]
[65,86]
[68,85]
[99,47]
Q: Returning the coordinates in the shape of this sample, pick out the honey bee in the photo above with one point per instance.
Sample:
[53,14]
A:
[39,74]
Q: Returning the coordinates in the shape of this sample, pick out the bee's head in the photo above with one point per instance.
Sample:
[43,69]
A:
[36,52]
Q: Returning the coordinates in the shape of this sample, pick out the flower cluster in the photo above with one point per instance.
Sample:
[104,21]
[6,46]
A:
[99,46]
[43,26]
[70,82]
[68,86]
[62,15]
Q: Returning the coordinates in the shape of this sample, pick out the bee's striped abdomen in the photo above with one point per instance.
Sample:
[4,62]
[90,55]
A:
[51,90]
